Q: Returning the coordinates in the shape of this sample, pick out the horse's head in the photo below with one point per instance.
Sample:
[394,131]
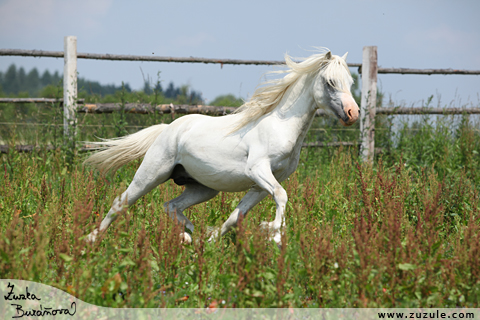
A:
[331,89]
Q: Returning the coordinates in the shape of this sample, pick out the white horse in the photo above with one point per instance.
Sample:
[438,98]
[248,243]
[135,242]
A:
[253,149]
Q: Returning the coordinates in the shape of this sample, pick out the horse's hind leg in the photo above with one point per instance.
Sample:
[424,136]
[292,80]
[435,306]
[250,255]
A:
[250,200]
[154,170]
[194,193]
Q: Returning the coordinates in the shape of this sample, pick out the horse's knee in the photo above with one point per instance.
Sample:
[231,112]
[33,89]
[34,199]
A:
[175,213]
[165,206]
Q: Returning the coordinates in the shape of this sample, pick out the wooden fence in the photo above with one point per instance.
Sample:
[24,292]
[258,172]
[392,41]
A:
[368,70]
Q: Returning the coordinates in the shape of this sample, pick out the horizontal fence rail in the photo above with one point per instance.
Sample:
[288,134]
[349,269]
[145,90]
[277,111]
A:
[443,111]
[25,148]
[125,57]
[426,71]
[146,108]
[35,148]
[35,100]
[317,144]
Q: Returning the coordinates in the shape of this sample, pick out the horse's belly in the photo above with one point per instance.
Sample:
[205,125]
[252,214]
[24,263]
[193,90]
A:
[227,183]
[220,167]
[217,177]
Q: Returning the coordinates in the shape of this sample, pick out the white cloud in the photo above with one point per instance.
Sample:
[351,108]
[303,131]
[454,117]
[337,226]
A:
[32,18]
[86,13]
[31,13]
[443,37]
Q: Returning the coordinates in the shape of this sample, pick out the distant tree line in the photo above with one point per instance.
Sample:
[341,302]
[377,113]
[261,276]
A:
[16,81]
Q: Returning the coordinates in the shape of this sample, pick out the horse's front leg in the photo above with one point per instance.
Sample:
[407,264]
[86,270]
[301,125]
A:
[261,173]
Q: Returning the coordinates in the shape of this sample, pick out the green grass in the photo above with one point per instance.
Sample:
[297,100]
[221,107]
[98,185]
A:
[404,232]
[357,236]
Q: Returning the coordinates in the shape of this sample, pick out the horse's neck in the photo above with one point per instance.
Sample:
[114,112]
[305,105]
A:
[297,107]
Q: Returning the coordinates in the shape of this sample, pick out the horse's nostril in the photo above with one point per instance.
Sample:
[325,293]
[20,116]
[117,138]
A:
[349,112]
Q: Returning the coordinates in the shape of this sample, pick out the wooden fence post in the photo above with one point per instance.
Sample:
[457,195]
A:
[69,88]
[368,103]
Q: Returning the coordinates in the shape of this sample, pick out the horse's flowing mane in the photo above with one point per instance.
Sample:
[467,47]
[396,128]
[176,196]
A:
[267,96]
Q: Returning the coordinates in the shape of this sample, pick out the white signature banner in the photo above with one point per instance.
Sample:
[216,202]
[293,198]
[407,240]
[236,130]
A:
[21,299]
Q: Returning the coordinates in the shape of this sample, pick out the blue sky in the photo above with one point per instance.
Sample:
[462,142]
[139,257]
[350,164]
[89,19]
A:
[410,34]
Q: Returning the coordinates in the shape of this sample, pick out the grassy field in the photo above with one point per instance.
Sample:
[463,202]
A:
[405,232]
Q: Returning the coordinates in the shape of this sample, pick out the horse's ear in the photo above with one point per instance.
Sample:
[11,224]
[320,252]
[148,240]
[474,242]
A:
[328,55]
[345,57]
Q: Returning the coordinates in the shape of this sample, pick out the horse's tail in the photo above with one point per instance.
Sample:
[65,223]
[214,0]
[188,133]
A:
[117,152]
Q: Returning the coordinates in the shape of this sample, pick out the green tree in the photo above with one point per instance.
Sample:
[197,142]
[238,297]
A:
[10,80]
[22,79]
[147,88]
[46,78]
[32,82]
[1,85]
[227,100]
[57,78]
[52,91]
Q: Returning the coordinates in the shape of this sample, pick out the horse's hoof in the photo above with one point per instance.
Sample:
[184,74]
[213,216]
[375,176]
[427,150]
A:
[266,226]
[185,238]
[278,240]
[212,233]
[92,236]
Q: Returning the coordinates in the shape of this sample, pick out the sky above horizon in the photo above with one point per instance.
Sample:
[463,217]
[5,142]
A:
[408,34]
